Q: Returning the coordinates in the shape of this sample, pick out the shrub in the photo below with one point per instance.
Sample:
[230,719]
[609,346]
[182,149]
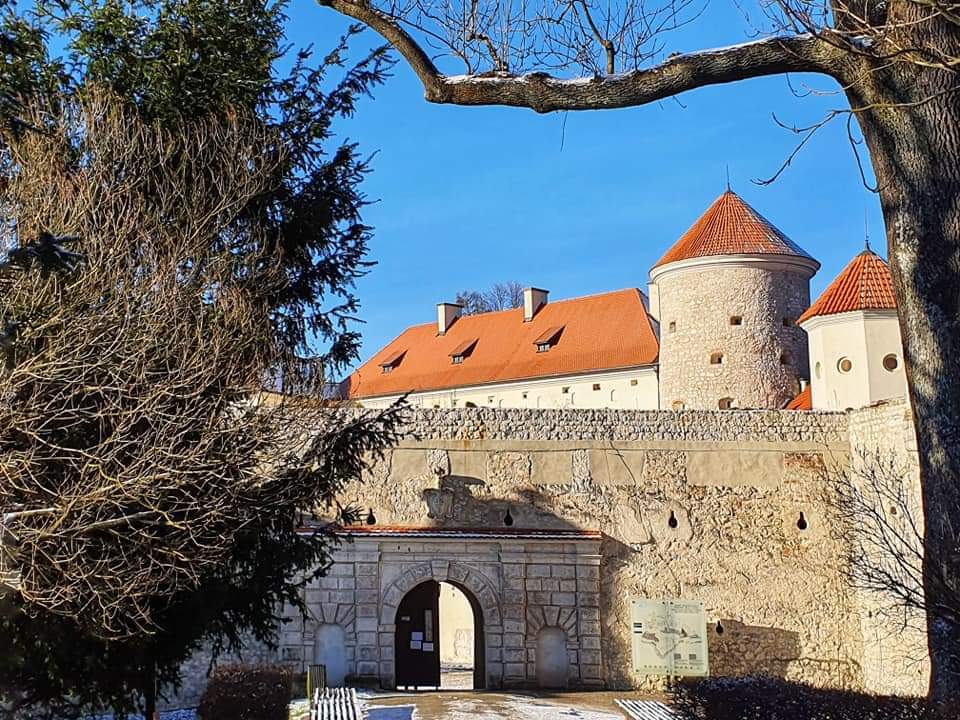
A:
[246,692]
[765,698]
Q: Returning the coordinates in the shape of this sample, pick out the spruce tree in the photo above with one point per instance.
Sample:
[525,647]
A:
[182,229]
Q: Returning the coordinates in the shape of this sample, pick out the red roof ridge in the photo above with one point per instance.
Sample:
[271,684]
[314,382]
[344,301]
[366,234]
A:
[520,308]
[730,226]
[864,284]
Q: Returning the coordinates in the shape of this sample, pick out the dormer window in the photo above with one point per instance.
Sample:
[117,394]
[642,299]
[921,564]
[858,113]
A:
[392,360]
[548,339]
[463,351]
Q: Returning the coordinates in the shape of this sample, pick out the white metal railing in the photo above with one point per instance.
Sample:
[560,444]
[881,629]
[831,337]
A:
[335,704]
[647,710]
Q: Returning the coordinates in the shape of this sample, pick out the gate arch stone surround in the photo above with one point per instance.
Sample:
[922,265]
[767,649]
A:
[521,581]
[457,573]
[465,576]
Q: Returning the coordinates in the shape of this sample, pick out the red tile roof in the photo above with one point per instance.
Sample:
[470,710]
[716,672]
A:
[600,332]
[864,284]
[731,227]
[803,401]
[465,532]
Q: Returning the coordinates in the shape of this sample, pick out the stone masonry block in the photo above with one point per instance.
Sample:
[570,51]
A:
[587,599]
[514,655]
[512,640]
[368,668]
[591,572]
[512,570]
[514,670]
[366,638]
[513,626]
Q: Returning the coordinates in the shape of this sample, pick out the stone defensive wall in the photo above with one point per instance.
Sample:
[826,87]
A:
[722,507]
[553,521]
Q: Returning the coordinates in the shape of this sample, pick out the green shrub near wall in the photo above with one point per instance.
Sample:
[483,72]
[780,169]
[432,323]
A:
[764,698]
[247,692]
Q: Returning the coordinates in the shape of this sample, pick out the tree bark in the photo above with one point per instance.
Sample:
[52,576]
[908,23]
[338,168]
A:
[912,128]
[150,691]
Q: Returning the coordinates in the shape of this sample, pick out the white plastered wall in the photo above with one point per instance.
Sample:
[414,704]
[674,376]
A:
[864,338]
[630,389]
[456,628]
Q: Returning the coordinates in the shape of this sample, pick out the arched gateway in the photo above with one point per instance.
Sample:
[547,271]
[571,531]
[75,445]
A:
[517,581]
[418,635]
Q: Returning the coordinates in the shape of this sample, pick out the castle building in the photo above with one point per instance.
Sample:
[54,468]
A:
[592,352]
[727,324]
[727,296]
[524,544]
[855,349]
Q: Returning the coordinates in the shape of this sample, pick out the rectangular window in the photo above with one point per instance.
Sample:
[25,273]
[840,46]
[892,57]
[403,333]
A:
[596,386]
[672,327]
[633,383]
[457,359]
[565,390]
[543,347]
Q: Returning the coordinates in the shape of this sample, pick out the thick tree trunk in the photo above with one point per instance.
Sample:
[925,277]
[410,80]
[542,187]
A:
[915,148]
[150,692]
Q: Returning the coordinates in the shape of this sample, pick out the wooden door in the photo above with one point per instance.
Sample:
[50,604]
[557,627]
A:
[417,655]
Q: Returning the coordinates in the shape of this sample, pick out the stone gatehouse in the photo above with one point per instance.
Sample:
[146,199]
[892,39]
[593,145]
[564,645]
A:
[551,521]
[518,582]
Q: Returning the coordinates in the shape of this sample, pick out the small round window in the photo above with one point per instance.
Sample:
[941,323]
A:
[817,370]
[844,365]
[890,362]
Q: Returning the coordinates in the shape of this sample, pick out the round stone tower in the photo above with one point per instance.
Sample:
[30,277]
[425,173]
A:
[727,297]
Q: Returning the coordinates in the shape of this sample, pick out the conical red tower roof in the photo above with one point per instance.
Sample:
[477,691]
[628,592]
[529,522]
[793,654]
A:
[864,284]
[731,227]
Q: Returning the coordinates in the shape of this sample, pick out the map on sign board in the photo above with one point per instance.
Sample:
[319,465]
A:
[669,637]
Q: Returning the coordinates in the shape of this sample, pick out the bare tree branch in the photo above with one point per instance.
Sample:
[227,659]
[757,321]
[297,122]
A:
[545,93]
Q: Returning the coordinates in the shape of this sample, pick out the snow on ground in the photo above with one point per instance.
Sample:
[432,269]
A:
[185,714]
[452,705]
[481,706]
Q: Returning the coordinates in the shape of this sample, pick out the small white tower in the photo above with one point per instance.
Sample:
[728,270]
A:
[856,356]
[727,297]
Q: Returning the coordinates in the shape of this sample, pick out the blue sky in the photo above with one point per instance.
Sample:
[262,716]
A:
[580,203]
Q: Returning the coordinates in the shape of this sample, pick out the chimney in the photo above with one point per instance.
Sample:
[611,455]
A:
[533,300]
[803,384]
[447,313]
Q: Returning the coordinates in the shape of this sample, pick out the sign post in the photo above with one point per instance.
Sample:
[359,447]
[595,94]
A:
[669,637]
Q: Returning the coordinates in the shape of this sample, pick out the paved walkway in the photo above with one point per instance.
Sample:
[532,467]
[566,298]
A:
[492,705]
